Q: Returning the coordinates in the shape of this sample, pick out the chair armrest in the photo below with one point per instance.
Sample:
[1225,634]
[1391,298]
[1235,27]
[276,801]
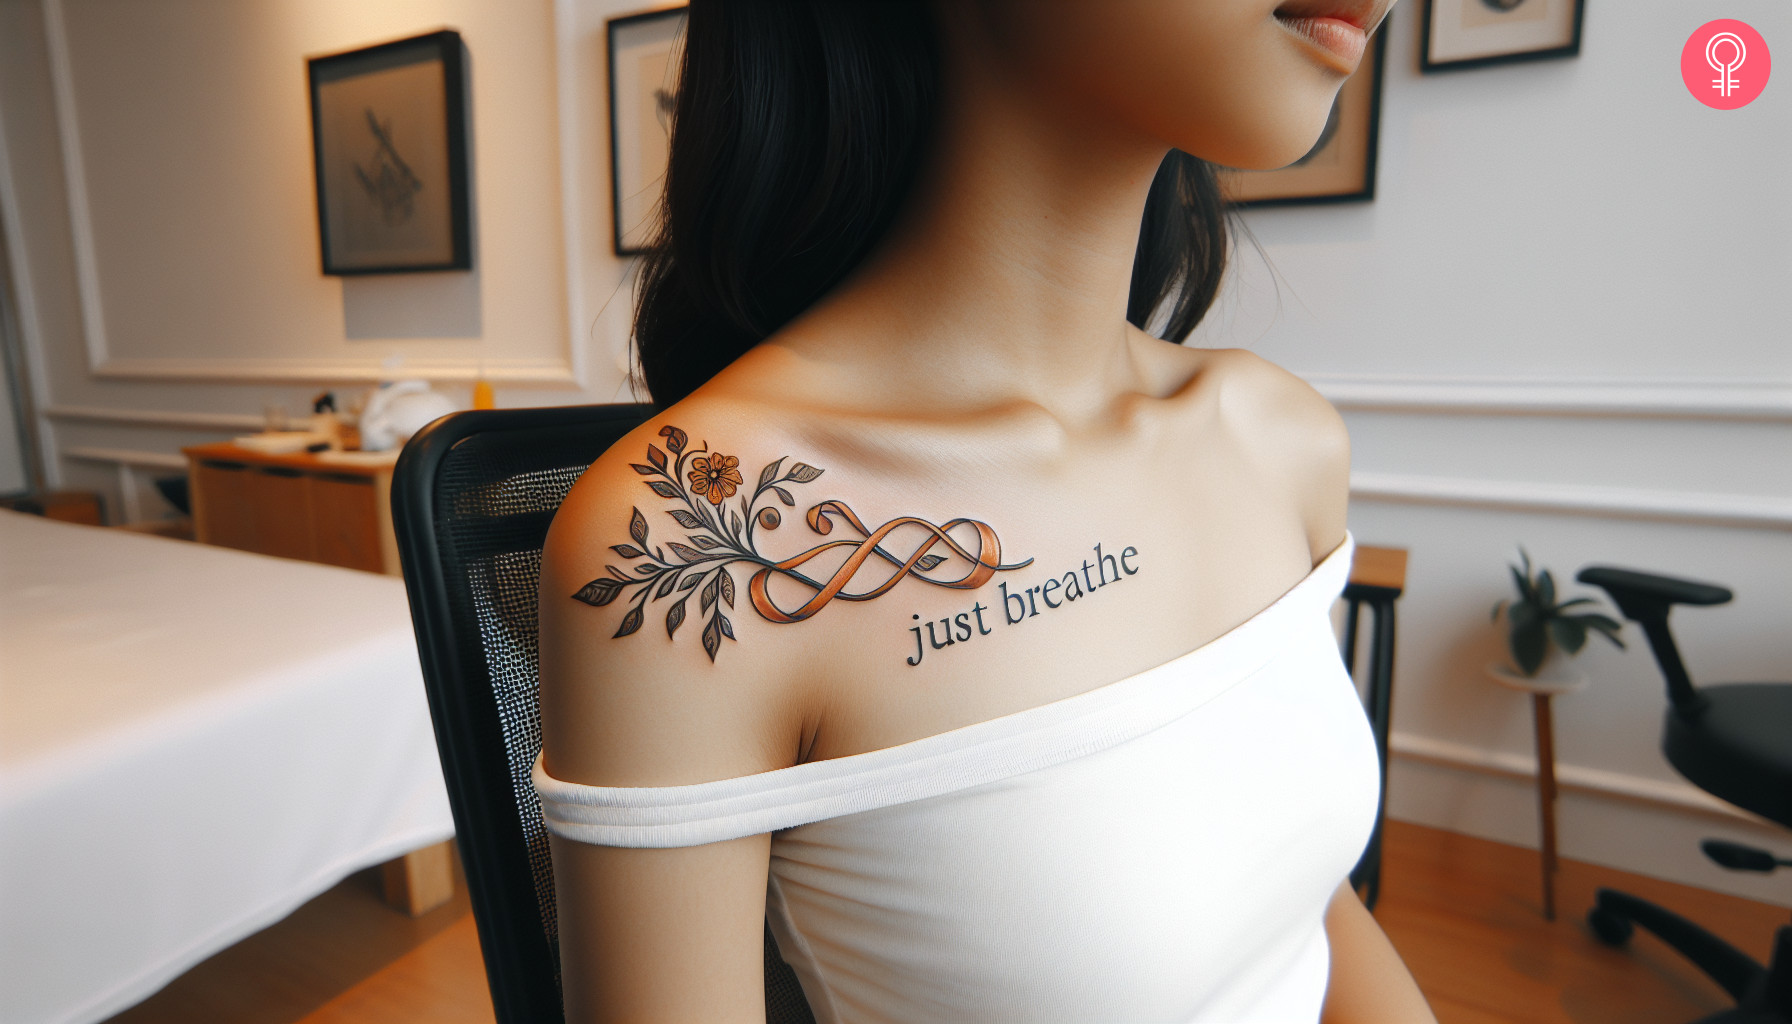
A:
[1629,587]
[1646,599]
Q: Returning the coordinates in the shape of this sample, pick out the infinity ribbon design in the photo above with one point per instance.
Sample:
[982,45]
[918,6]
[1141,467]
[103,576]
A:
[985,563]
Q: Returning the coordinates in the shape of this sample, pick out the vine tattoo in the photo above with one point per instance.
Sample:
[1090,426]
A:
[721,536]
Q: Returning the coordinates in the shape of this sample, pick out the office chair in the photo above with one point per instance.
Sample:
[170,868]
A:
[1735,742]
[472,497]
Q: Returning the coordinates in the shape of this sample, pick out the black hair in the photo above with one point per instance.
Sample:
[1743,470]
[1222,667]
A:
[800,128]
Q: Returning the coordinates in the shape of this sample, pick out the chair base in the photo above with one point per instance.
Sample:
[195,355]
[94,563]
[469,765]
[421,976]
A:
[1763,994]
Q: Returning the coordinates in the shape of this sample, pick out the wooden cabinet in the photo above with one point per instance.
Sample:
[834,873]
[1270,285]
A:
[296,506]
[346,516]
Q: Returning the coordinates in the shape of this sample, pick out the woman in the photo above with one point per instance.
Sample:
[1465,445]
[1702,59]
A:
[973,637]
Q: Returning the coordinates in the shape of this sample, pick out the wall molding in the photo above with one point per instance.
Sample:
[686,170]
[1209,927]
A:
[1679,796]
[1713,398]
[220,421]
[125,457]
[1745,510]
[566,371]
[330,371]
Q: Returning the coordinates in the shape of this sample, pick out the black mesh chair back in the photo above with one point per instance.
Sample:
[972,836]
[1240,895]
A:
[472,497]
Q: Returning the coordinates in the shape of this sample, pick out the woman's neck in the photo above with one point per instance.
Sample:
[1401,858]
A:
[1005,281]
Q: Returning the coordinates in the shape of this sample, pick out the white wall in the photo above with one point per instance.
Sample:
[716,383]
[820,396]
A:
[1562,323]
[1565,322]
[159,161]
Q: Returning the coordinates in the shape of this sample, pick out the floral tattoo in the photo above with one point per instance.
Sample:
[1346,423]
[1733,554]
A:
[720,536]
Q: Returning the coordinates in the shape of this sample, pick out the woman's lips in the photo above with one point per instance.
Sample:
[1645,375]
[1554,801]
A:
[1338,38]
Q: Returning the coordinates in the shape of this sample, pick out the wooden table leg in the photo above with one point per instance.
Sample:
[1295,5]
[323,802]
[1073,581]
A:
[421,880]
[1546,798]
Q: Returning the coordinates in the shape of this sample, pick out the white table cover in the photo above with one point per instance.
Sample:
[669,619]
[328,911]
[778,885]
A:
[193,742]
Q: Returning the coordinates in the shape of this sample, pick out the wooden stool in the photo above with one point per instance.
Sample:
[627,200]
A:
[1377,579]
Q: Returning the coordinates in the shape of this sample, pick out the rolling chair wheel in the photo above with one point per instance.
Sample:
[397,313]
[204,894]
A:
[1612,929]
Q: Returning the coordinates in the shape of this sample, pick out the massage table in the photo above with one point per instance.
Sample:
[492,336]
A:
[193,742]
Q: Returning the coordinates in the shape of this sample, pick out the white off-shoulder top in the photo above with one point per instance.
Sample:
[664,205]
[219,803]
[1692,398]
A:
[1161,848]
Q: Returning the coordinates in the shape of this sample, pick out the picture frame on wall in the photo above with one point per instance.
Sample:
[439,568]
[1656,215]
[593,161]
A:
[389,144]
[1476,33]
[645,51]
[1341,165]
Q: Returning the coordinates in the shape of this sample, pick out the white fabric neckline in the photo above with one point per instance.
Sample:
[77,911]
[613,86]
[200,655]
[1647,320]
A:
[971,755]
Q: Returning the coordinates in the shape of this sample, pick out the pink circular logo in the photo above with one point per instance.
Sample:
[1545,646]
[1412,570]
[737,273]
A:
[1725,64]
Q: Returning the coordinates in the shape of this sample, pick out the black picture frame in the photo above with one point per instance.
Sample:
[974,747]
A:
[1432,26]
[640,48]
[1349,142]
[393,194]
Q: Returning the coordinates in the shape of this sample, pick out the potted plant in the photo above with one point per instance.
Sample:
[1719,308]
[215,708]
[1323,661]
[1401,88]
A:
[1539,626]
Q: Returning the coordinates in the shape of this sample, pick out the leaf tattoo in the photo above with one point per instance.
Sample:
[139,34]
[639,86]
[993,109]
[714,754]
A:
[630,622]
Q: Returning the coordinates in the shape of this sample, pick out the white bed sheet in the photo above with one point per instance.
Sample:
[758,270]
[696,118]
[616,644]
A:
[193,742]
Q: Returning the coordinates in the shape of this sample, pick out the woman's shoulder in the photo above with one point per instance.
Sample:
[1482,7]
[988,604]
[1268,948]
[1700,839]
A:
[652,672]
[1248,385]
[1282,424]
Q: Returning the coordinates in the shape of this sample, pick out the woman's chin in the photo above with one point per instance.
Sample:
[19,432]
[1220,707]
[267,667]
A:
[1275,138]
[1268,154]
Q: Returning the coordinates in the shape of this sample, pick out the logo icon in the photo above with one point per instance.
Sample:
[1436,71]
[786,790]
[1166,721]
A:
[1725,64]
[1726,82]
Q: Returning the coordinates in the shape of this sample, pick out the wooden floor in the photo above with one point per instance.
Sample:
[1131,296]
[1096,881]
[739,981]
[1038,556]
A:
[1467,916]
[1465,913]
[346,957]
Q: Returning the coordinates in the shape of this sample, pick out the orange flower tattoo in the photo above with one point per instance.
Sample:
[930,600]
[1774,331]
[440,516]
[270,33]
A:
[717,538]
[715,477]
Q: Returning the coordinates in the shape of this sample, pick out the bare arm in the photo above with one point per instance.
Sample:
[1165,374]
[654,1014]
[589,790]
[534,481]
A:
[663,935]
[1369,983]
[649,935]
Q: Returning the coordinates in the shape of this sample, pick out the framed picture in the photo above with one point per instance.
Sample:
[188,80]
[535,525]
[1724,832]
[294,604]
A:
[645,50]
[389,137]
[1475,33]
[1341,165]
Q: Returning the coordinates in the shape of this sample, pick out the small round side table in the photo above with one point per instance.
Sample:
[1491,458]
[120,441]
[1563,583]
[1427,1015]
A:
[1542,688]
